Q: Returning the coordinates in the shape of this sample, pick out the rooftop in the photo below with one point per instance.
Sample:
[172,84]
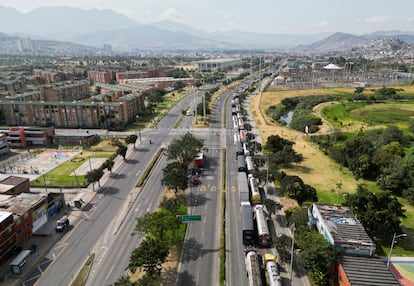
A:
[4,215]
[343,225]
[367,271]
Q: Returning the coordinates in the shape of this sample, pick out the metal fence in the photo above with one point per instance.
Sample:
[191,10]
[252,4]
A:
[10,163]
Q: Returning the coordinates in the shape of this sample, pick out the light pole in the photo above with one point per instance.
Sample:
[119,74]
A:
[392,246]
[291,254]
[139,131]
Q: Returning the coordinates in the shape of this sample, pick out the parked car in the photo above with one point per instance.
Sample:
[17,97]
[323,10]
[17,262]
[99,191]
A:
[195,180]
[62,224]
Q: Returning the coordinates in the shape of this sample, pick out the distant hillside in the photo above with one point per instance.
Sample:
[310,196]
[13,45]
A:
[60,23]
[389,46]
[336,42]
[8,45]
[148,37]
[96,27]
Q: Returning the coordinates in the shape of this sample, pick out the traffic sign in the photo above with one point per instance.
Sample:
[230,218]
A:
[189,218]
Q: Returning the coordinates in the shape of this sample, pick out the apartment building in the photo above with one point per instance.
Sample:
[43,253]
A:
[4,146]
[65,91]
[118,90]
[7,235]
[22,137]
[144,73]
[51,76]
[100,76]
[77,114]
[155,82]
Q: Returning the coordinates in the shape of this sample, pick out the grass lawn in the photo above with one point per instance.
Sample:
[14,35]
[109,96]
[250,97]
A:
[60,176]
[353,115]
[317,169]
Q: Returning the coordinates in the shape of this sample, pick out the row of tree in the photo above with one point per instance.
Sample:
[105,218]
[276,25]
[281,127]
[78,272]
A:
[162,230]
[162,227]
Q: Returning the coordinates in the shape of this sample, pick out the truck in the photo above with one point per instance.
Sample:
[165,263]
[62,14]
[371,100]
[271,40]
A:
[253,267]
[199,160]
[272,270]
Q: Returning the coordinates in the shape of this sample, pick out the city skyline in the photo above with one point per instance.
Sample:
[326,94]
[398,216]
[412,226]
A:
[288,17]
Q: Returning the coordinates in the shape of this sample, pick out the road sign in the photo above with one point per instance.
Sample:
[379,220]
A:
[189,218]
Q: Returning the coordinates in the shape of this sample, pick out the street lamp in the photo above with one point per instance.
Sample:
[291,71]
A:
[139,131]
[392,246]
[291,254]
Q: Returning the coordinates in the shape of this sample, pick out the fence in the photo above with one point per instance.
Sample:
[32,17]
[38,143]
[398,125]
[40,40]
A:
[14,161]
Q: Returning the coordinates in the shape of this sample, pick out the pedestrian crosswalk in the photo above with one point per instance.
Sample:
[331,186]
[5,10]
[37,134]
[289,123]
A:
[183,131]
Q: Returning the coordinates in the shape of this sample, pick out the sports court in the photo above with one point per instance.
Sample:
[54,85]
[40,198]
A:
[403,269]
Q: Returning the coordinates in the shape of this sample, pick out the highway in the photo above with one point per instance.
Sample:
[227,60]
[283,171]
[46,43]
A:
[235,263]
[201,247]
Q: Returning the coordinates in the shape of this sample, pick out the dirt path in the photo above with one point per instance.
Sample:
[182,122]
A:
[317,169]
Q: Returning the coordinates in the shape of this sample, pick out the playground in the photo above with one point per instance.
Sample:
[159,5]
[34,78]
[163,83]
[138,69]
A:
[36,164]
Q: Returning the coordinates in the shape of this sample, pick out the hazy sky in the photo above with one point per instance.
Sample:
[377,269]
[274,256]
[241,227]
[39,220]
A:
[271,16]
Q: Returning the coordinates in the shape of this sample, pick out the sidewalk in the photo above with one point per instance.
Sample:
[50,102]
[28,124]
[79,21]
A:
[46,239]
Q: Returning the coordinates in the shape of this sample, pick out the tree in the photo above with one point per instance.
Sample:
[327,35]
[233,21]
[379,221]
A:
[184,149]
[316,254]
[175,176]
[359,90]
[122,150]
[150,255]
[109,164]
[173,205]
[293,187]
[94,176]
[131,139]
[379,213]
[276,143]
[178,85]
[157,224]
[393,178]
[124,281]
[283,244]
[271,206]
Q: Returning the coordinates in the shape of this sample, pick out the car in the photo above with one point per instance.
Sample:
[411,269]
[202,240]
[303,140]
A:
[196,171]
[62,224]
[195,180]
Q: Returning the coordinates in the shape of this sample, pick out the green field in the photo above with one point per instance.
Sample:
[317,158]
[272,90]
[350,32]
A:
[343,115]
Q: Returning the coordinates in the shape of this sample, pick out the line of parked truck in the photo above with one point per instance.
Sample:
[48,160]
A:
[255,230]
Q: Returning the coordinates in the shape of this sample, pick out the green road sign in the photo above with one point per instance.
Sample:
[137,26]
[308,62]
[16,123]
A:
[189,218]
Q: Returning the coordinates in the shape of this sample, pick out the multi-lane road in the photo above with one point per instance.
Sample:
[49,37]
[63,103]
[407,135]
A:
[105,228]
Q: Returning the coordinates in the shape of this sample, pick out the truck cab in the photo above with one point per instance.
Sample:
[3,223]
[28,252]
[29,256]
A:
[62,224]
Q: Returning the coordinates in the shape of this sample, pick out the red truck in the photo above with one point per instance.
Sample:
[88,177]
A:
[199,160]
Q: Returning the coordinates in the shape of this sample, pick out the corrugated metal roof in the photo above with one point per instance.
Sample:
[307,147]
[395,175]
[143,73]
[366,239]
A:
[364,271]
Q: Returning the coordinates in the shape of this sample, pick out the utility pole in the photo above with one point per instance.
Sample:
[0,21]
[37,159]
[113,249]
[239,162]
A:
[291,254]
[204,107]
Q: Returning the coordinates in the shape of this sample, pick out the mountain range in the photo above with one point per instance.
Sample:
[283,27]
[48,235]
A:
[97,27]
